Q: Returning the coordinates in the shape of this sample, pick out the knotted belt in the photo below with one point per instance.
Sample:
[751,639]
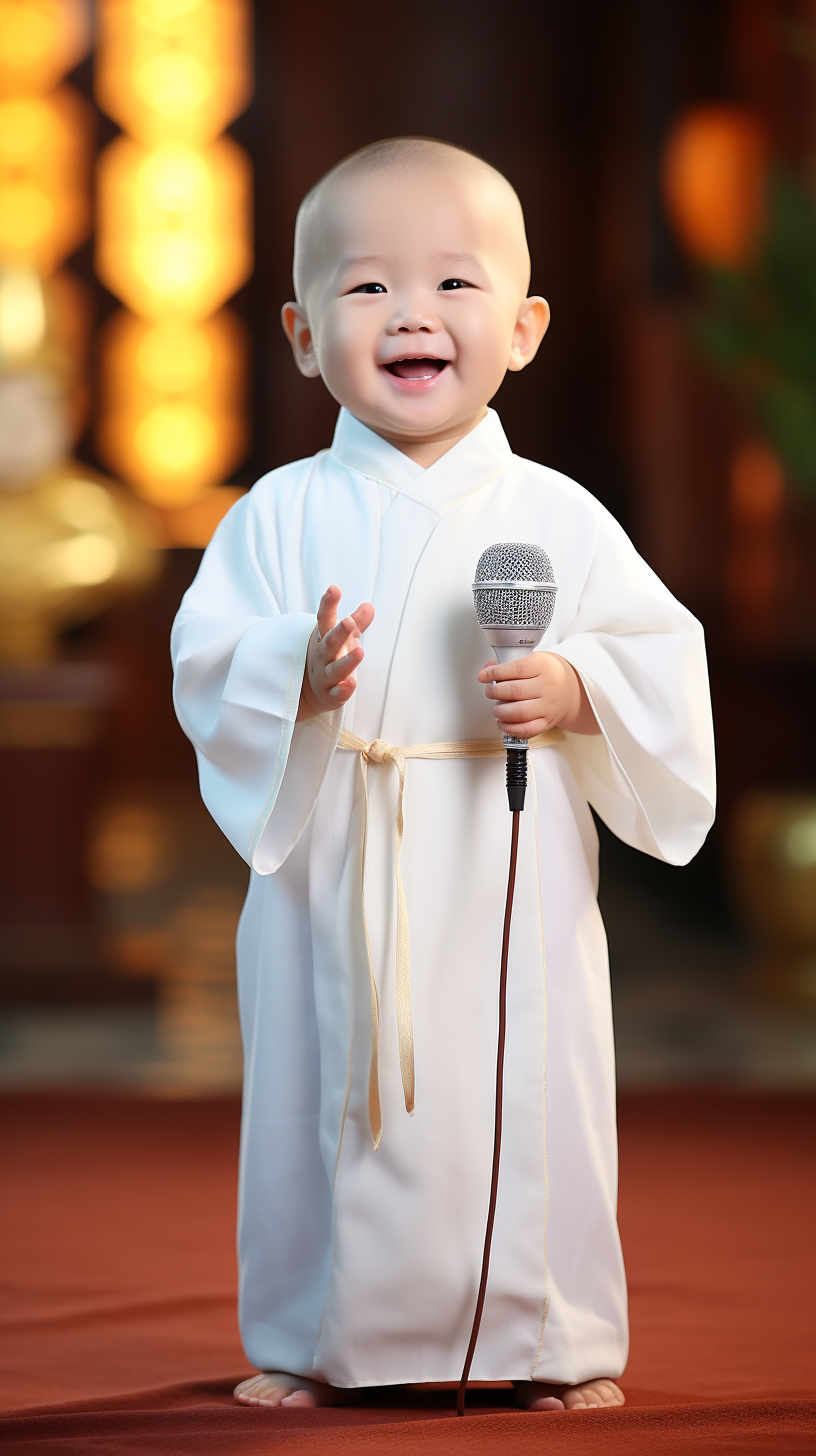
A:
[379,752]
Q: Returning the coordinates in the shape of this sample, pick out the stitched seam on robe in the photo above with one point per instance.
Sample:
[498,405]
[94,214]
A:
[298,660]
[346,1100]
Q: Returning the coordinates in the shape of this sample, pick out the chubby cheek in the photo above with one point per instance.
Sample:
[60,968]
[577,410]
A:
[483,348]
[345,350]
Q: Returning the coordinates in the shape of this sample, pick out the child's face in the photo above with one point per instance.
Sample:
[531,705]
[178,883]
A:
[414,305]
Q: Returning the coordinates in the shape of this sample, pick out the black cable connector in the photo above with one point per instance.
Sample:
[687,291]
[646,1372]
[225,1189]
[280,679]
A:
[516,778]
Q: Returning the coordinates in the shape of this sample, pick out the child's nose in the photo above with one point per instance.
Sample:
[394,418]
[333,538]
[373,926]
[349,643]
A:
[413,318]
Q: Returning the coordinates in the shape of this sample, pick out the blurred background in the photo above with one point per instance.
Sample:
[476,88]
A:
[152,157]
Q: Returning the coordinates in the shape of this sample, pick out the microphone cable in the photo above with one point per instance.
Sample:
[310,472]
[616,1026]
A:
[516,786]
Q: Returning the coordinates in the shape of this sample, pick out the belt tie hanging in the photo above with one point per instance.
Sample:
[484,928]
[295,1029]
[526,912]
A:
[380,752]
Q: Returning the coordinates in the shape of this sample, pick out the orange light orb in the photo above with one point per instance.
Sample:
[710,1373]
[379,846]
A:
[173,453]
[713,176]
[45,210]
[172,419]
[756,485]
[39,41]
[174,226]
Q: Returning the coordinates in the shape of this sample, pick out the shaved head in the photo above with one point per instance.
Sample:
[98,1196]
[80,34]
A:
[411,277]
[393,158]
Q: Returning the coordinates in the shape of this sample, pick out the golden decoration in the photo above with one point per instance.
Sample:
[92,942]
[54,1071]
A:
[68,543]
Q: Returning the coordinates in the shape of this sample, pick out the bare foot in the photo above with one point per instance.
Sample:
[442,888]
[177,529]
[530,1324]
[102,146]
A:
[537,1395]
[278,1387]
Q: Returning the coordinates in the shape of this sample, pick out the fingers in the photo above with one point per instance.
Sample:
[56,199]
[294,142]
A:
[510,714]
[335,652]
[336,671]
[333,644]
[522,667]
[363,617]
[327,611]
[509,692]
[526,730]
[334,638]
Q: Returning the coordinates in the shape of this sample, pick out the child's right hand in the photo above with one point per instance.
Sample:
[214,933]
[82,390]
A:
[333,655]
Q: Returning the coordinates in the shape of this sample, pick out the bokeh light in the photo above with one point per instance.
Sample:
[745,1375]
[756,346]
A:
[45,149]
[39,41]
[173,420]
[22,315]
[174,238]
[179,68]
[174,243]
[714,166]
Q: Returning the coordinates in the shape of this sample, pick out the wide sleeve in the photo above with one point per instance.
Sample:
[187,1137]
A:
[641,657]
[238,662]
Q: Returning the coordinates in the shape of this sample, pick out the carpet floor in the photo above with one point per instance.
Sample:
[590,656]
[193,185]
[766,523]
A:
[119,1329]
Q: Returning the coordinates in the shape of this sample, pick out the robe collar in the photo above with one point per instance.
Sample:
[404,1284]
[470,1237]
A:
[469,464]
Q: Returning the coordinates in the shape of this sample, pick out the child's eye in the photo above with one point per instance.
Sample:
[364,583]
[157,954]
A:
[451,283]
[369,288]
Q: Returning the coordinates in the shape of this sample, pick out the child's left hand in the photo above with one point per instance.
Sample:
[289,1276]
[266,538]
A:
[538,692]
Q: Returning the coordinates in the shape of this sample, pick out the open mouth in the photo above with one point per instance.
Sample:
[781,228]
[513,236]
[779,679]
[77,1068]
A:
[419,369]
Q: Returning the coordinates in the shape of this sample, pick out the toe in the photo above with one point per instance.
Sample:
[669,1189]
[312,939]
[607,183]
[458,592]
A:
[546,1403]
[592,1394]
[261,1390]
[606,1392]
[250,1391]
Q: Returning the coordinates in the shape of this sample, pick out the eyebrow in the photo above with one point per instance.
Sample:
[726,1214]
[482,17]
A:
[360,260]
[459,258]
[355,260]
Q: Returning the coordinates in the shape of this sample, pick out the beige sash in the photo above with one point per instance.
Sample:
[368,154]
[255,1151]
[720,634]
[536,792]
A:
[379,752]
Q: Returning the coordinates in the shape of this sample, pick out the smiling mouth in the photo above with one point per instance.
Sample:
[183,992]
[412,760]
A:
[420,369]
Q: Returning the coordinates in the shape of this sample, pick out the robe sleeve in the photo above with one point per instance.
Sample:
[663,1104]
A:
[641,657]
[238,662]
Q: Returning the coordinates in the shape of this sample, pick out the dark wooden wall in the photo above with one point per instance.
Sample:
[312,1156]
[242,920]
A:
[530,88]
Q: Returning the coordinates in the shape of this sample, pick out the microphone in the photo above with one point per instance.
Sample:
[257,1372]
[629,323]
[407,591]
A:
[514,596]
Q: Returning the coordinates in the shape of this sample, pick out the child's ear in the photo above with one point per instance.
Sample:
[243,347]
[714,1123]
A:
[297,331]
[531,326]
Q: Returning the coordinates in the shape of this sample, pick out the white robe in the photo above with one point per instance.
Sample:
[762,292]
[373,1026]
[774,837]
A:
[357,1265]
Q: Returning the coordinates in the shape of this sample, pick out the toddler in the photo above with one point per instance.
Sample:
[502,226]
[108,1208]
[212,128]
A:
[368,949]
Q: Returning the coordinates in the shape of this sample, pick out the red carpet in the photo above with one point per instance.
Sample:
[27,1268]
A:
[119,1310]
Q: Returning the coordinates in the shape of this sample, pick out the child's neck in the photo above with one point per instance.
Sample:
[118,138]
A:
[430,448]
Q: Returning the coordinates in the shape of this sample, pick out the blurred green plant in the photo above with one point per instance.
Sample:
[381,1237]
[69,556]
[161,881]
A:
[756,324]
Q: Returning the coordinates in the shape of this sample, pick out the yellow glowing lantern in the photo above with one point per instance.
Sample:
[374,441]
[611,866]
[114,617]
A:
[714,182]
[45,210]
[39,41]
[174,70]
[174,234]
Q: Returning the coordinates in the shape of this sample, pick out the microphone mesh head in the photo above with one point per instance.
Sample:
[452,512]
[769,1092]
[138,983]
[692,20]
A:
[500,606]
